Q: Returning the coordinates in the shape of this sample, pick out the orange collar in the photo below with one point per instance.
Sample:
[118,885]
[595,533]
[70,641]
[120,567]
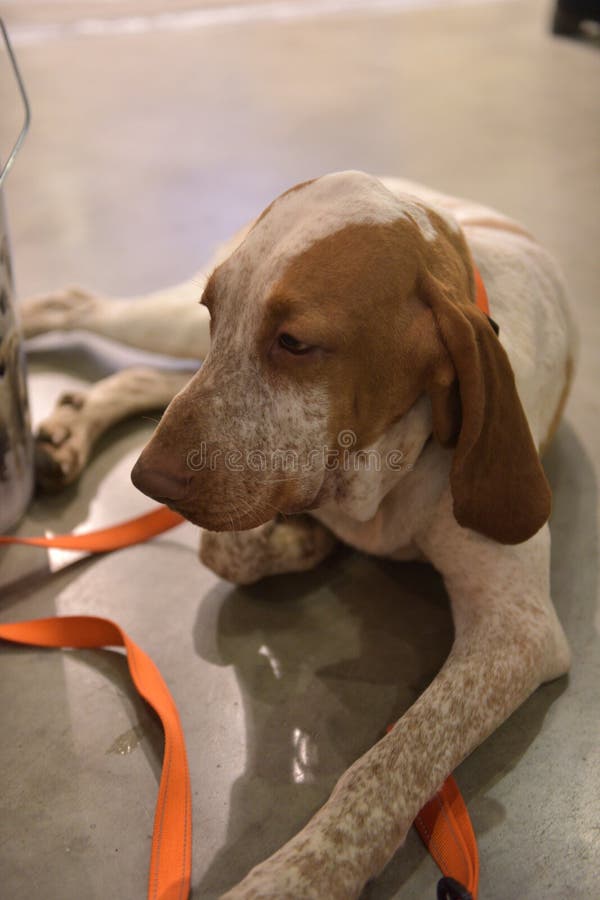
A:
[481,298]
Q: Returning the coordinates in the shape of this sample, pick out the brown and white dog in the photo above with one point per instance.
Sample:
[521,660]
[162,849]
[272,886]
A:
[351,390]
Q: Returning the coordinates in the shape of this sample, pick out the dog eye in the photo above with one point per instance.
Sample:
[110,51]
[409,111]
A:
[289,343]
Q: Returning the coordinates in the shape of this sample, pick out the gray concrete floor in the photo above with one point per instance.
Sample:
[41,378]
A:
[146,149]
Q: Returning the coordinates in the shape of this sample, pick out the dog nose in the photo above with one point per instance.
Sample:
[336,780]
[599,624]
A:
[161,484]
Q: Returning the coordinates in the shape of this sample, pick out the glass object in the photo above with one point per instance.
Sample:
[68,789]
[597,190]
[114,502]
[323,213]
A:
[16,442]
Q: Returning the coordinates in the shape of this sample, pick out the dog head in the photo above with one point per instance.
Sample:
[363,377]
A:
[341,309]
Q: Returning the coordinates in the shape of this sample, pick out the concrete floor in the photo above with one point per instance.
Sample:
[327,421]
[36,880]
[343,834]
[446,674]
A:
[147,147]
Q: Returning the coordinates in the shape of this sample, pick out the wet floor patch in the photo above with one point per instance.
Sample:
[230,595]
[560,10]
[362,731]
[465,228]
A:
[127,742]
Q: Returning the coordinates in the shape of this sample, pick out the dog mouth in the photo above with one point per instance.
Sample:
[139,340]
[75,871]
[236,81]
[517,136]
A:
[237,508]
[220,521]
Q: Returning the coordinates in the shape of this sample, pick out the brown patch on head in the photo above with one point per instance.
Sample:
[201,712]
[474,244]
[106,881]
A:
[357,290]
[399,312]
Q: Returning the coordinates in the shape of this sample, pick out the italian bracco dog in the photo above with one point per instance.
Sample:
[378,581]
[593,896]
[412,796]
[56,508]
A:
[352,391]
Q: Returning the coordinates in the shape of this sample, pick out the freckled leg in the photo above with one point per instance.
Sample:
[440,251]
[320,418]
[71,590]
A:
[281,545]
[65,439]
[508,640]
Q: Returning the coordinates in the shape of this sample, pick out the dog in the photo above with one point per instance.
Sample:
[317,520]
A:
[352,391]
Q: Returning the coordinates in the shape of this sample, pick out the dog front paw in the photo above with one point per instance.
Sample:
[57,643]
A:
[61,310]
[287,545]
[62,444]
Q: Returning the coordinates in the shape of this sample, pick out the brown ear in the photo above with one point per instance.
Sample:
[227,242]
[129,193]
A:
[497,481]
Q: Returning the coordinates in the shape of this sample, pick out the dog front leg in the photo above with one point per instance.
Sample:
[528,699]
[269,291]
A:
[168,321]
[507,641]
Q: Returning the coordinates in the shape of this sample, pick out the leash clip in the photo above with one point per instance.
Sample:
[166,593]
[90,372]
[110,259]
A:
[449,889]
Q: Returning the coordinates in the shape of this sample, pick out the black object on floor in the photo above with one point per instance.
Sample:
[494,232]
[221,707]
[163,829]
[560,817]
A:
[570,15]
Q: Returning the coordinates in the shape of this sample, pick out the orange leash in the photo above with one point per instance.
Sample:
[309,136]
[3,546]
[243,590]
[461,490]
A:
[443,823]
[171,857]
[446,830]
[134,531]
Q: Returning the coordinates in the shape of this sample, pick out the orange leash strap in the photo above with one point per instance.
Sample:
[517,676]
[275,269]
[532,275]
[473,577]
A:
[127,533]
[171,858]
[445,828]
[443,823]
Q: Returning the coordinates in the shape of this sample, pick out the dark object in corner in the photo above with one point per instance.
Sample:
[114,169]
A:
[449,889]
[569,16]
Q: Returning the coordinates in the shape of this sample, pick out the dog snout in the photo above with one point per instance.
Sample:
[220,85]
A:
[160,480]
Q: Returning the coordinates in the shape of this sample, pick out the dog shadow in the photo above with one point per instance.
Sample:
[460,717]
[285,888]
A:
[326,660]
[321,674]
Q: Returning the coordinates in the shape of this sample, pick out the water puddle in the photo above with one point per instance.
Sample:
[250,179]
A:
[127,742]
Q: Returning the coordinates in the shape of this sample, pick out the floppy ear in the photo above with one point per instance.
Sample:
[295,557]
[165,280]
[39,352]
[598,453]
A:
[497,481]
